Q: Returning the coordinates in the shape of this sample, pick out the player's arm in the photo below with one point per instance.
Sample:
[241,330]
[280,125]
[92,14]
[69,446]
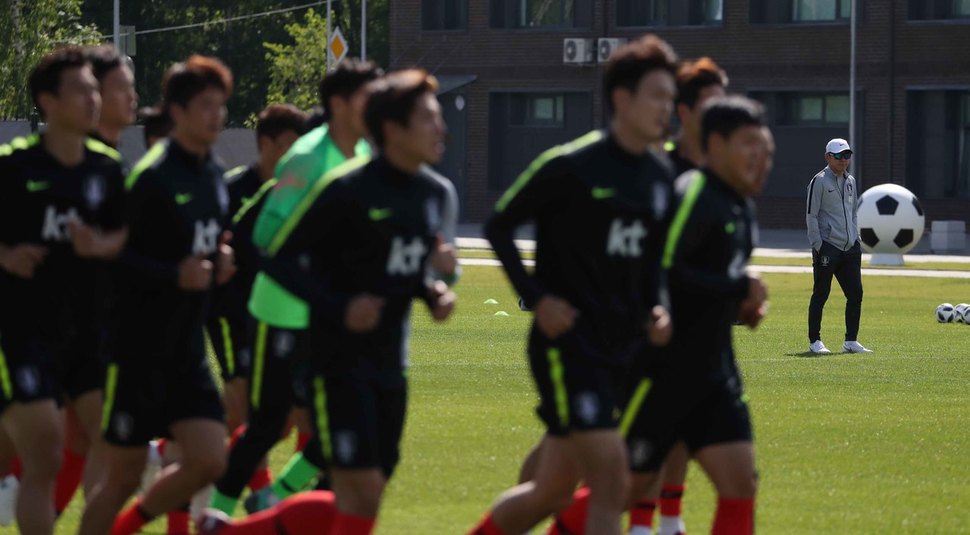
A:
[855,205]
[656,294]
[444,259]
[533,191]
[814,203]
[146,220]
[18,259]
[106,238]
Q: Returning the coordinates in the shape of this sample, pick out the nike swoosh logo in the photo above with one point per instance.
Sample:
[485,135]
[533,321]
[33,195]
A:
[603,193]
[831,190]
[377,214]
[182,198]
[34,186]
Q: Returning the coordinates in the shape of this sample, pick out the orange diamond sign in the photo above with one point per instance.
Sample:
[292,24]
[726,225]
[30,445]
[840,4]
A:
[337,48]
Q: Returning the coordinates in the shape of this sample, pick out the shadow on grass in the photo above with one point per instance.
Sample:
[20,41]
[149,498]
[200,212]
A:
[805,355]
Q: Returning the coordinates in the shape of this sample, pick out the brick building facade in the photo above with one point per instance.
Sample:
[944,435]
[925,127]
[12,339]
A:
[508,94]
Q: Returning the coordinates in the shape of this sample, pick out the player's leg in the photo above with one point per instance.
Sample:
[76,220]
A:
[849,275]
[202,442]
[37,433]
[122,466]
[346,412]
[531,462]
[672,491]
[730,468]
[720,437]
[270,399]
[822,268]
[522,507]
[220,334]
[88,407]
[309,512]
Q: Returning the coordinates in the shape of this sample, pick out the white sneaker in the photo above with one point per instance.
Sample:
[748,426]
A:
[152,467]
[8,499]
[851,346]
[819,348]
[200,502]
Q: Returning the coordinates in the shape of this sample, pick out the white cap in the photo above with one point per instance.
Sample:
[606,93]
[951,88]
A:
[837,145]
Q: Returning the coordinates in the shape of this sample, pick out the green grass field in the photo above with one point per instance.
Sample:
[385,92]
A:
[845,443]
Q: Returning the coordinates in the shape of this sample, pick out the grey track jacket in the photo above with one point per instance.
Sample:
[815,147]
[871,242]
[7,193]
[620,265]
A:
[832,206]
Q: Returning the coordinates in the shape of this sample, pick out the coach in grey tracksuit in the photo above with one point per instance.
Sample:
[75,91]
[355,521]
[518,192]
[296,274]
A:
[833,232]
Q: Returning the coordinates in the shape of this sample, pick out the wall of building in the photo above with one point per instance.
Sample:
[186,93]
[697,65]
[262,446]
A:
[896,56]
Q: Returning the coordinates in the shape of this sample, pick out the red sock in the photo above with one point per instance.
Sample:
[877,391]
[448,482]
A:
[16,468]
[131,520]
[236,433]
[68,479]
[178,521]
[161,443]
[486,527]
[734,517]
[573,518]
[301,441]
[642,513]
[670,499]
[308,512]
[345,524]
[261,478]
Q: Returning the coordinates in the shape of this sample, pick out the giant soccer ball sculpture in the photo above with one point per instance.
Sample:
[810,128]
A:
[891,223]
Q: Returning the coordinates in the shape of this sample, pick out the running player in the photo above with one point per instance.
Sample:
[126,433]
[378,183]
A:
[358,249]
[155,122]
[61,205]
[697,82]
[119,101]
[578,344]
[694,393]
[281,318]
[158,382]
[277,127]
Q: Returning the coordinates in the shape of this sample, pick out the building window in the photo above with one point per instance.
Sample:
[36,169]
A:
[539,109]
[939,9]
[938,143]
[802,11]
[541,14]
[635,13]
[821,10]
[813,109]
[444,14]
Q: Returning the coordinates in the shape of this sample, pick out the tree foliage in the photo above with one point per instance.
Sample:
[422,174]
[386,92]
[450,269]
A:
[297,66]
[29,29]
[42,24]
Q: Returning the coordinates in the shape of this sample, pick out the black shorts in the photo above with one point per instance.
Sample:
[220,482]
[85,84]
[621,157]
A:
[81,360]
[145,393]
[27,370]
[663,411]
[278,373]
[358,413]
[576,392]
[231,343]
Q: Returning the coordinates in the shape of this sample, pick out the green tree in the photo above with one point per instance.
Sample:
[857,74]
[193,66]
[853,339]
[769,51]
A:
[29,29]
[295,67]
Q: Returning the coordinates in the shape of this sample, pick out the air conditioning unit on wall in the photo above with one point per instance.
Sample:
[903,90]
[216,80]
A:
[605,46]
[578,51]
